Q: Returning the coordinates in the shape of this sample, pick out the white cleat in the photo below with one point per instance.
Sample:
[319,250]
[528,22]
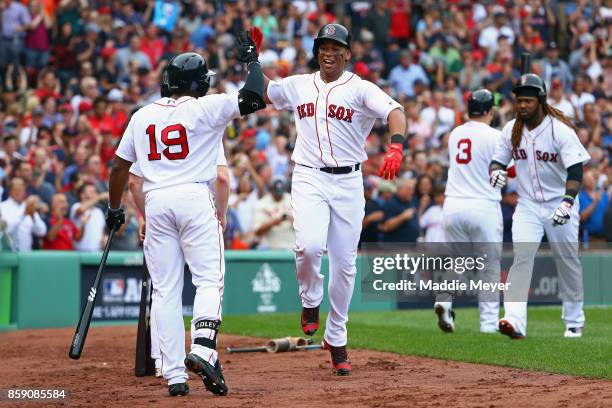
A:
[446,316]
[573,332]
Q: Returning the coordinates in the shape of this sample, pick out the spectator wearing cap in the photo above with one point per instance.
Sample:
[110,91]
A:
[21,216]
[132,55]
[400,223]
[403,76]
[473,72]
[557,99]
[15,21]
[489,36]
[108,73]
[37,37]
[62,233]
[118,112]
[86,48]
[554,67]
[273,218]
[29,133]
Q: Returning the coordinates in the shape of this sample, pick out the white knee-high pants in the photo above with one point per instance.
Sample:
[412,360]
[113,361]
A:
[480,222]
[182,227]
[530,221]
[328,210]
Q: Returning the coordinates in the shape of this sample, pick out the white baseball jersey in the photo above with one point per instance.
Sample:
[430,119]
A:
[542,158]
[471,147]
[221,161]
[184,151]
[332,119]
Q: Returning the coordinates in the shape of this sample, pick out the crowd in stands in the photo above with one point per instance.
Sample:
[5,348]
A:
[72,72]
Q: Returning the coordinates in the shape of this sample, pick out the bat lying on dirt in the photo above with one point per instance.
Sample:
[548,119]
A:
[279,346]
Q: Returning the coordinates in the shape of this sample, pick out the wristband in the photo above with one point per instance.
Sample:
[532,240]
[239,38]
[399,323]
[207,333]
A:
[397,138]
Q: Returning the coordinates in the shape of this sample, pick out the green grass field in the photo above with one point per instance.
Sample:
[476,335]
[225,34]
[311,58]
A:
[415,332]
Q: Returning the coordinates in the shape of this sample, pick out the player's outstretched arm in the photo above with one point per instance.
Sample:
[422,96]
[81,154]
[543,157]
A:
[392,160]
[251,96]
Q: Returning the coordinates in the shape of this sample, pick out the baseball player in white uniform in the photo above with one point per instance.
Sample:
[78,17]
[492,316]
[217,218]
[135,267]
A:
[175,140]
[334,113]
[548,157]
[472,213]
[220,190]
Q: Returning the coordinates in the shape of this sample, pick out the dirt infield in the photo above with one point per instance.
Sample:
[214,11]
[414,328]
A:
[104,377]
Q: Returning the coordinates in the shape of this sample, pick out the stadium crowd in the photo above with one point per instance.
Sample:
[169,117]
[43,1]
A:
[72,72]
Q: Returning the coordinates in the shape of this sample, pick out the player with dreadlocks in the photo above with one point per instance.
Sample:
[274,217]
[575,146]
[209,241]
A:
[549,159]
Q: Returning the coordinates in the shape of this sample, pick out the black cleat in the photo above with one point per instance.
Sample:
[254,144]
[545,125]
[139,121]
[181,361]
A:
[178,389]
[211,376]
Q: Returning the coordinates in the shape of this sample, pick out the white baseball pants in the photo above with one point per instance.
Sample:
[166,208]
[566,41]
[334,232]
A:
[328,210]
[530,221]
[182,227]
[480,222]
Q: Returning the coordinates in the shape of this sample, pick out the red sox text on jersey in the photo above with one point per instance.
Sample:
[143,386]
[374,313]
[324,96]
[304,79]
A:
[306,110]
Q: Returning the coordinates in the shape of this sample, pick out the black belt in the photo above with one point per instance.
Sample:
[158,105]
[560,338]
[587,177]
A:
[336,170]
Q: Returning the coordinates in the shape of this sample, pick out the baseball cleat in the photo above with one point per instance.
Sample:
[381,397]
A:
[446,317]
[179,389]
[310,320]
[212,376]
[573,332]
[340,360]
[506,328]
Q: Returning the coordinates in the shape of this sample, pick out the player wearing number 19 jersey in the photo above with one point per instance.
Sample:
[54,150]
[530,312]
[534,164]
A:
[175,141]
[472,213]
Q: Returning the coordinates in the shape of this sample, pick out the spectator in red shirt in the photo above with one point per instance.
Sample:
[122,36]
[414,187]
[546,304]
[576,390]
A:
[100,118]
[152,45]
[118,112]
[48,85]
[62,233]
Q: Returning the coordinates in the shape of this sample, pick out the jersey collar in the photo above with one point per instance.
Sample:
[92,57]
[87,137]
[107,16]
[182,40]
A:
[341,78]
[540,129]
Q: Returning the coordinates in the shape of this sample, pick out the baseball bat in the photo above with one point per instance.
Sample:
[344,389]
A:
[525,63]
[83,327]
[144,364]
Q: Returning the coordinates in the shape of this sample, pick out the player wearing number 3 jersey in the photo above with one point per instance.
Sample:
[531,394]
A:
[472,213]
[175,141]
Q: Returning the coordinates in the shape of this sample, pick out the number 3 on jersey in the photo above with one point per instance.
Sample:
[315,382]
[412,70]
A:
[464,156]
[167,132]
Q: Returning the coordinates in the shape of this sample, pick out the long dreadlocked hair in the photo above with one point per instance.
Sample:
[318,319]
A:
[517,129]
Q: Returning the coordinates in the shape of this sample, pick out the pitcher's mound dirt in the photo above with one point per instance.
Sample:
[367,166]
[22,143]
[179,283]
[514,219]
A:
[104,376]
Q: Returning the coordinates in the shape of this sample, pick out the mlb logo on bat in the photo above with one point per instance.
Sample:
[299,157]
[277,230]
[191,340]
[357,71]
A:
[114,288]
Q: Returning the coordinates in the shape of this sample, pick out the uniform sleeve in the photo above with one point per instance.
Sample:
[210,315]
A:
[503,150]
[135,169]
[279,93]
[221,160]
[376,102]
[219,109]
[572,151]
[126,150]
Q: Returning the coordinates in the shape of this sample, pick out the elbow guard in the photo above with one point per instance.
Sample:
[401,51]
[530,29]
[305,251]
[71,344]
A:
[250,97]
[575,172]
[249,102]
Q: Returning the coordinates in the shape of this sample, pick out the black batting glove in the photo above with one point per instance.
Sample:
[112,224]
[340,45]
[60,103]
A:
[247,50]
[115,218]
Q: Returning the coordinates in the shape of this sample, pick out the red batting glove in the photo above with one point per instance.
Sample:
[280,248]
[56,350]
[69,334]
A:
[257,37]
[391,162]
